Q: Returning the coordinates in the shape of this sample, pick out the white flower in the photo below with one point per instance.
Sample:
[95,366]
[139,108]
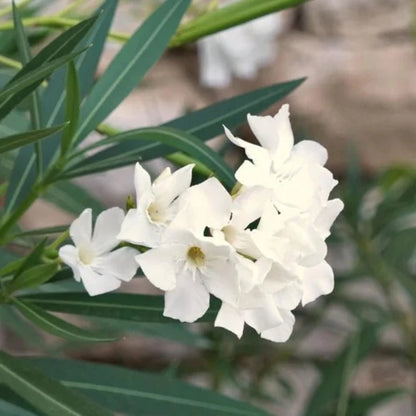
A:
[294,172]
[156,205]
[236,51]
[188,268]
[91,259]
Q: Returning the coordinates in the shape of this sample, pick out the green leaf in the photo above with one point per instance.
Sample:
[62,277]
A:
[26,56]
[225,17]
[324,398]
[12,410]
[126,70]
[57,326]
[175,139]
[33,258]
[33,277]
[43,231]
[71,198]
[122,306]
[72,108]
[207,123]
[136,393]
[22,139]
[17,89]
[45,394]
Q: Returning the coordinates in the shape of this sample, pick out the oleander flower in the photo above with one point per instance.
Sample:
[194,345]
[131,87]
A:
[93,259]
[156,205]
[295,172]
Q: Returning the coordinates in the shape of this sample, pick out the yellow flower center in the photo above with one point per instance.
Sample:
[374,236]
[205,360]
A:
[156,213]
[86,255]
[196,256]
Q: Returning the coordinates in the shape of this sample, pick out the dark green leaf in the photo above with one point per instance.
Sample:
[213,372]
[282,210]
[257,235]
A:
[43,231]
[57,326]
[26,56]
[72,107]
[207,123]
[22,139]
[122,306]
[135,393]
[12,410]
[126,70]
[175,139]
[44,393]
[17,89]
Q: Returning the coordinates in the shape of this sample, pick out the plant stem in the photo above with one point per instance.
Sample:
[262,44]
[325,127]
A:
[10,62]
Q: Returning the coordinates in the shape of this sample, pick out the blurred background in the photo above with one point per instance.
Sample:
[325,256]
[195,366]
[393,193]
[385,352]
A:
[359,100]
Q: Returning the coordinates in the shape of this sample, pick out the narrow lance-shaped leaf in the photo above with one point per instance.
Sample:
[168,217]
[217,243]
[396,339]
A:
[22,139]
[126,70]
[134,393]
[204,124]
[24,173]
[33,277]
[57,326]
[122,306]
[175,139]
[72,107]
[45,394]
[26,56]
[58,48]
[225,17]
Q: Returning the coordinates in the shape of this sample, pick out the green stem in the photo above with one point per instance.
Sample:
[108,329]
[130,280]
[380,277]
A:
[9,9]
[10,62]
[59,240]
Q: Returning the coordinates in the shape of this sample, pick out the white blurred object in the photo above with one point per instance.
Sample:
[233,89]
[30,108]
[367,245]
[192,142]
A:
[239,51]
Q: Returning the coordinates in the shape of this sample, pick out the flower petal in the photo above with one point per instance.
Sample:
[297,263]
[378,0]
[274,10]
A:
[107,227]
[327,216]
[168,188]
[142,181]
[257,154]
[205,205]
[285,135]
[188,301]
[69,255]
[97,284]
[263,318]
[264,128]
[137,229]
[282,332]
[120,264]
[230,318]
[311,151]
[159,265]
[317,281]
[81,228]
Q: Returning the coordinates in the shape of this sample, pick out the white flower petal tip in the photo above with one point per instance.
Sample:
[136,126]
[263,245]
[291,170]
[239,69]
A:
[92,258]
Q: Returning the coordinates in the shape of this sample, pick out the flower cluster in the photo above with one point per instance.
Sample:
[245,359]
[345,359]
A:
[260,250]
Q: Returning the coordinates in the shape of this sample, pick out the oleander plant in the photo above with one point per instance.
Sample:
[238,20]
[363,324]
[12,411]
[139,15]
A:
[242,253]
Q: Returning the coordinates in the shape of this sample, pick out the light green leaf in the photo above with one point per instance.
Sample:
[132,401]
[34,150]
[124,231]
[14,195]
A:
[12,410]
[33,277]
[135,393]
[22,139]
[126,70]
[175,139]
[43,231]
[57,326]
[45,394]
[225,17]
[122,306]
